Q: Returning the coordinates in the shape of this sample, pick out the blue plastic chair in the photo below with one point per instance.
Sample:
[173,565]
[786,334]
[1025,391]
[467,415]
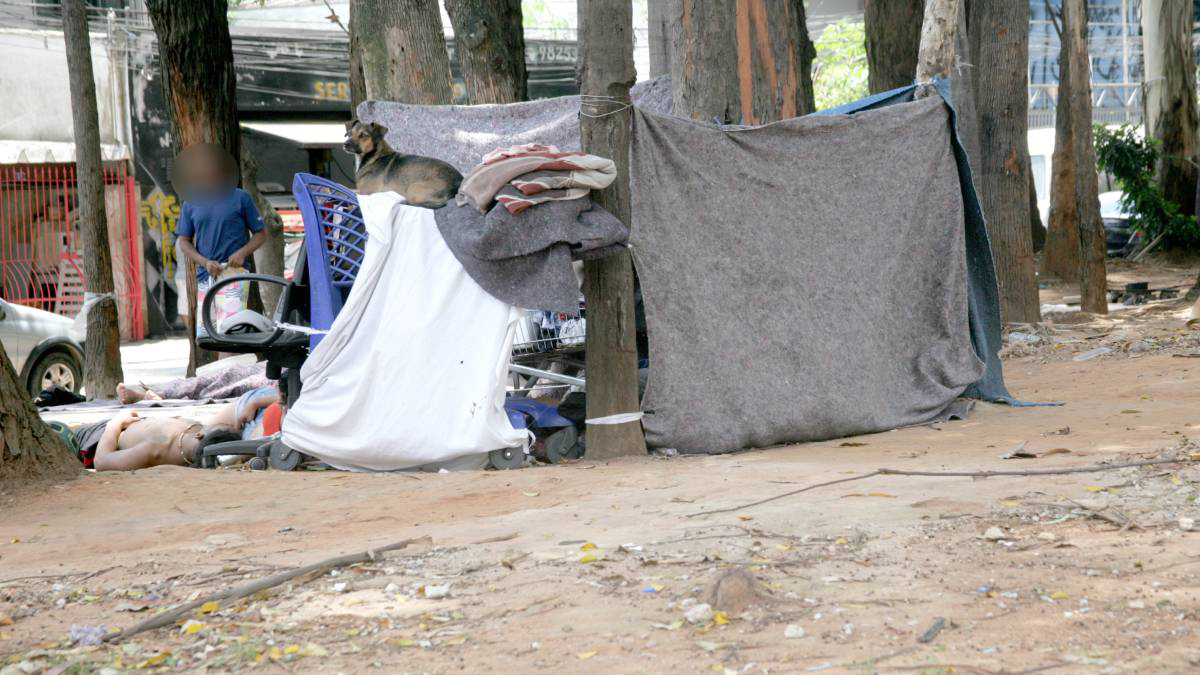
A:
[335,241]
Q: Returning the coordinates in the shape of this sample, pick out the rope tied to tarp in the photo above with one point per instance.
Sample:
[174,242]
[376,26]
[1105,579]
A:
[593,106]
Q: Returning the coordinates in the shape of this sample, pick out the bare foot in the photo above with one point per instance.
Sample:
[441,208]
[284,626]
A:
[127,394]
[130,394]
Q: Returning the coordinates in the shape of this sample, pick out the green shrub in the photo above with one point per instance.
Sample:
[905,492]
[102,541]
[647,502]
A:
[1129,159]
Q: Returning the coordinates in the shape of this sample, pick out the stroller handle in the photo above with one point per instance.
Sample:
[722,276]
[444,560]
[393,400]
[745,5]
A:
[206,312]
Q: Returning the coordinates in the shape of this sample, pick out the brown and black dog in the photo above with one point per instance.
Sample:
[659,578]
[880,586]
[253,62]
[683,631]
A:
[422,181]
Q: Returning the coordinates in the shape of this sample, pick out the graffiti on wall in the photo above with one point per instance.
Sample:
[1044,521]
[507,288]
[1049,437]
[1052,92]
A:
[160,214]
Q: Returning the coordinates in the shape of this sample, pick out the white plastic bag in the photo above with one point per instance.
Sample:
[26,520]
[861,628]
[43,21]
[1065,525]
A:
[230,299]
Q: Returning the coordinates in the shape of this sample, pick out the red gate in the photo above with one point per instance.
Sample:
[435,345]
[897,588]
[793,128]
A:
[40,264]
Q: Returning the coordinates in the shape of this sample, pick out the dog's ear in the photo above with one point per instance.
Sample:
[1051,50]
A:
[377,132]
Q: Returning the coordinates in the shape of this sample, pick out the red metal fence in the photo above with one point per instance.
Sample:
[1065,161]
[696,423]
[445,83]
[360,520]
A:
[40,247]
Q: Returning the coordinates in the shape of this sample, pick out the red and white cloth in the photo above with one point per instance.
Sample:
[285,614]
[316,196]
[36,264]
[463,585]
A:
[532,170]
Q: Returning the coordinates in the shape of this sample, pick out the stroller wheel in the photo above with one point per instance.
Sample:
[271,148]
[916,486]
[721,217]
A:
[508,458]
[284,458]
[257,464]
[562,445]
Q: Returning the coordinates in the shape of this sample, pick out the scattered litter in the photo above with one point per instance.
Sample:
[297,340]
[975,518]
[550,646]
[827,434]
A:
[652,588]
[848,629]
[209,607]
[584,656]
[720,618]
[589,546]
[1017,337]
[589,558]
[1136,604]
[1019,452]
[191,627]
[793,632]
[932,632]
[994,534]
[699,614]
[1047,536]
[1187,524]
[341,587]
[83,635]
[1091,354]
[437,592]
[531,494]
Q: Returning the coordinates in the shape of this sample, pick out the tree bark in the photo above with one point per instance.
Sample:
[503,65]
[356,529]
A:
[490,41]
[1061,257]
[268,259]
[606,70]
[939,41]
[1093,289]
[658,37]
[29,450]
[893,30]
[102,349]
[1170,96]
[402,49]
[358,86]
[200,88]
[1000,42]
[741,61]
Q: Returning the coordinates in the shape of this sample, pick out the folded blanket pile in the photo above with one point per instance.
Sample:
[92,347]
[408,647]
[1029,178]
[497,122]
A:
[522,176]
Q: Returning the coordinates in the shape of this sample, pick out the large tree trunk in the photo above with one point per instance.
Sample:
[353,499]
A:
[358,85]
[29,450]
[1170,96]
[102,350]
[1000,43]
[658,37]
[268,259]
[741,61]
[606,70]
[939,42]
[1093,287]
[893,30]
[490,41]
[1061,256]
[402,49]
[200,88]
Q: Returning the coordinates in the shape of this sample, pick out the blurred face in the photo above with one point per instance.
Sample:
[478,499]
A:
[203,169]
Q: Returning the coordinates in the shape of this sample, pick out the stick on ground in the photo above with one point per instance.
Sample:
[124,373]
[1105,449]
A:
[1090,468]
[171,616]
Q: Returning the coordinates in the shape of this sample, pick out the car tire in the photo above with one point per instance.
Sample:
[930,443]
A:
[56,368]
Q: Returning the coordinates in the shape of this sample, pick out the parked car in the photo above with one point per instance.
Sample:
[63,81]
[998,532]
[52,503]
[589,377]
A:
[41,348]
[1119,236]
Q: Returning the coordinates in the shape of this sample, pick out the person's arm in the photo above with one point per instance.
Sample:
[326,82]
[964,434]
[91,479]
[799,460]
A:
[109,458]
[254,405]
[258,232]
[238,258]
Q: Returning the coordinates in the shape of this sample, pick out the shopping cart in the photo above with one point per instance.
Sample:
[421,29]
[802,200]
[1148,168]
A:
[547,353]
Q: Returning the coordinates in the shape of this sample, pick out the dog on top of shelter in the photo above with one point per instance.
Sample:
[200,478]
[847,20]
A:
[422,181]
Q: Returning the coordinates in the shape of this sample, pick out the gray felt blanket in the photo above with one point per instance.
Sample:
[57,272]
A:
[803,280]
[809,279]
[525,259]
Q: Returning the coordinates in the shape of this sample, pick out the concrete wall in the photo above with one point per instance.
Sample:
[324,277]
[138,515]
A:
[35,95]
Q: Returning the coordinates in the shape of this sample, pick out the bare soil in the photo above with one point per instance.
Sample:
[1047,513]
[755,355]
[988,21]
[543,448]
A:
[596,567]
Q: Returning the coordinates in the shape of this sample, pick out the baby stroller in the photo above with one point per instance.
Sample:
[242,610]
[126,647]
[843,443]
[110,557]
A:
[334,245]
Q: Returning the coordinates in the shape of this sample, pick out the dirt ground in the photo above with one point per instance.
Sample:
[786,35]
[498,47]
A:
[600,567]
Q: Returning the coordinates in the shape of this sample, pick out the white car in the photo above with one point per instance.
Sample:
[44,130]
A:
[41,348]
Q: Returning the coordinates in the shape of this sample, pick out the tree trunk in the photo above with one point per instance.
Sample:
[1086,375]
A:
[268,259]
[1170,96]
[1000,40]
[200,88]
[606,70]
[402,48]
[1093,288]
[893,30]
[1061,257]
[939,41]
[358,86]
[658,37]
[741,61]
[490,41]
[102,349]
[962,90]
[29,450]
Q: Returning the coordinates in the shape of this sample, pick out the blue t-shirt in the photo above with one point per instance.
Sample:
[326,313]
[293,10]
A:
[219,225]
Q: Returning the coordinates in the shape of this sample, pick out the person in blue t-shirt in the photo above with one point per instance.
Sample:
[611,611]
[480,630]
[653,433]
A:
[219,225]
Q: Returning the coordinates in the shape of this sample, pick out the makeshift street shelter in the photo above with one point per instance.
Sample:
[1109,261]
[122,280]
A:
[809,279]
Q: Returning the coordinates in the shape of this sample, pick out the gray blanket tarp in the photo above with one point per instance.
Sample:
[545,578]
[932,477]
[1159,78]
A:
[526,259]
[803,280]
[775,388]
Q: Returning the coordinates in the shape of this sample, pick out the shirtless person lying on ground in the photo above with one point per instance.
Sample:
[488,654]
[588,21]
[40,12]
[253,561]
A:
[128,442]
